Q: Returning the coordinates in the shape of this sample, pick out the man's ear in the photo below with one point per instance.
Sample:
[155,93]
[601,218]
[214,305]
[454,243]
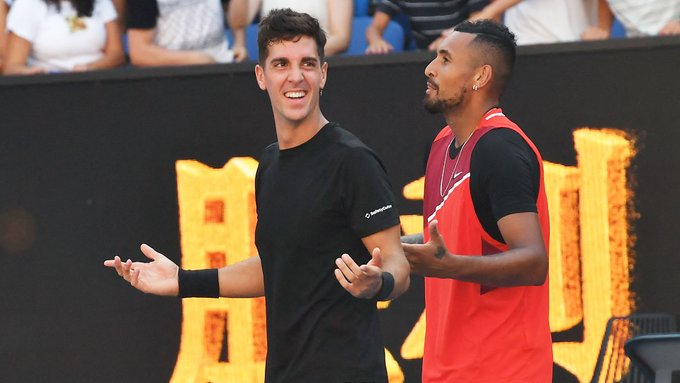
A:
[324,74]
[259,76]
[484,75]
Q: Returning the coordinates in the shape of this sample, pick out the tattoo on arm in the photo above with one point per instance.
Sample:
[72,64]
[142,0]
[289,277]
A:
[439,254]
[413,239]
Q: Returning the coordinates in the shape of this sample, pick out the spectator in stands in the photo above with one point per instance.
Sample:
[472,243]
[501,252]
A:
[430,21]
[641,18]
[335,17]
[4,8]
[493,11]
[548,21]
[54,36]
[164,33]
[553,21]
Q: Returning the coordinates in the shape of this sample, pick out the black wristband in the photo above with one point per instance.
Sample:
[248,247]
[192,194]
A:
[198,283]
[387,286]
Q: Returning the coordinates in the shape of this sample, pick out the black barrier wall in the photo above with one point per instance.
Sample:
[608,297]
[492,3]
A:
[87,169]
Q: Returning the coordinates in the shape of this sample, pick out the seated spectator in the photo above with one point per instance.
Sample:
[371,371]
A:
[553,21]
[55,36]
[335,17]
[641,18]
[162,32]
[430,21]
[494,11]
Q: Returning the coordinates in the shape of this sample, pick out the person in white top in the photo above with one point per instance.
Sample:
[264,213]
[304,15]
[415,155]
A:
[553,21]
[647,18]
[58,36]
[639,18]
[177,32]
[549,21]
[334,16]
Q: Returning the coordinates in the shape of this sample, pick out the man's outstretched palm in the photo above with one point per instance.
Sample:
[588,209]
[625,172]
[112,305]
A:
[157,277]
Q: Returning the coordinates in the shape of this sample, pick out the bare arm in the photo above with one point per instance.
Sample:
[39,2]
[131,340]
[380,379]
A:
[18,50]
[365,281]
[671,28]
[238,21]
[374,34]
[524,264]
[143,52]
[3,33]
[243,279]
[413,239]
[340,26]
[605,19]
[159,277]
[120,11]
[494,10]
[113,50]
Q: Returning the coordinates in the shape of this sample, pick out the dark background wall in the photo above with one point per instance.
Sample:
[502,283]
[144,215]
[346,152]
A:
[87,172]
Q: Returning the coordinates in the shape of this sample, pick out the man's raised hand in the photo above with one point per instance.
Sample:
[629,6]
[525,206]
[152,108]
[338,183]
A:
[157,277]
[361,281]
[427,259]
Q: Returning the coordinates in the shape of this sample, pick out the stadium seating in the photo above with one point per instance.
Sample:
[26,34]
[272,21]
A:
[251,41]
[361,8]
[394,34]
[612,364]
[618,31]
[657,355]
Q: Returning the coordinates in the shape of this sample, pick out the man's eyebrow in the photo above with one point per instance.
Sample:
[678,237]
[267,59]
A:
[278,60]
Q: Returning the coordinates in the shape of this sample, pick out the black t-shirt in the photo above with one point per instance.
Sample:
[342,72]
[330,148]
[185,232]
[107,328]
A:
[315,202]
[504,178]
[142,14]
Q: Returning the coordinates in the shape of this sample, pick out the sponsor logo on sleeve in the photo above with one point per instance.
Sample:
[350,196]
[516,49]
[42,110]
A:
[377,211]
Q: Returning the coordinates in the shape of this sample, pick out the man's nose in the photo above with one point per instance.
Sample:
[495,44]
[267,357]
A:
[295,74]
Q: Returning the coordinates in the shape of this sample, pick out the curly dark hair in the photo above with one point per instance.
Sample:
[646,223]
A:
[83,7]
[497,46]
[288,25]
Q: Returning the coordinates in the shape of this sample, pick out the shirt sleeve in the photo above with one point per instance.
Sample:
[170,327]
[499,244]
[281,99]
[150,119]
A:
[142,14]
[388,6]
[476,5]
[508,172]
[105,11]
[24,18]
[367,193]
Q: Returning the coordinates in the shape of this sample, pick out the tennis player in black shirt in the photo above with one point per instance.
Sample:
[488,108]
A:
[327,231]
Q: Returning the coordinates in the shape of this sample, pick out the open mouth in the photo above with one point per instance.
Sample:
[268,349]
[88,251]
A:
[295,94]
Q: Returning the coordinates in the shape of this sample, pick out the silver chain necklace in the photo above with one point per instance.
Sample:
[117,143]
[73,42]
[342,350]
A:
[442,189]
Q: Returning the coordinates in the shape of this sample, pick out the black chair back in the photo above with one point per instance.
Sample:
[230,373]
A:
[657,355]
[613,366]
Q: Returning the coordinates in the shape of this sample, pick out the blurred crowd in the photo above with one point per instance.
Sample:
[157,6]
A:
[50,36]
